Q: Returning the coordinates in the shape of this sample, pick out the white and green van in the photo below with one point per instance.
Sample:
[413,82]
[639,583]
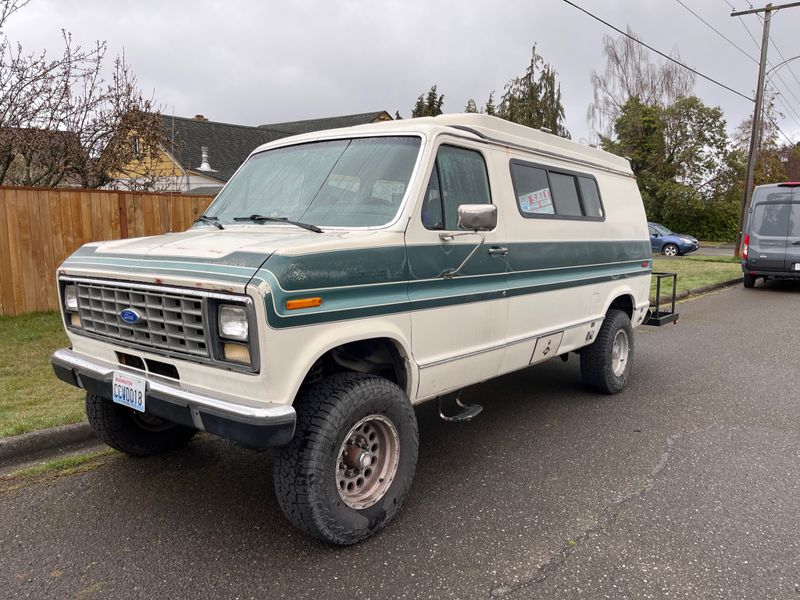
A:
[342,277]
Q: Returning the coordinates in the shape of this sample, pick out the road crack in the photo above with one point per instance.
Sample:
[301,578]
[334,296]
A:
[607,518]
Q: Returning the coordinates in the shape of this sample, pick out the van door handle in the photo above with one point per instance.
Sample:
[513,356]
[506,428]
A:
[498,251]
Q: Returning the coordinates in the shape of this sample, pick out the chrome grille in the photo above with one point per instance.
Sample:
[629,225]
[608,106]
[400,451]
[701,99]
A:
[171,322]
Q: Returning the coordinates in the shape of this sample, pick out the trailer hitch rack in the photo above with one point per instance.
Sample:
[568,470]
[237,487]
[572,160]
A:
[656,315]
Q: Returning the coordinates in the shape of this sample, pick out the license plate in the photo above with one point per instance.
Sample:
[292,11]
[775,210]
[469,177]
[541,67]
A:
[128,390]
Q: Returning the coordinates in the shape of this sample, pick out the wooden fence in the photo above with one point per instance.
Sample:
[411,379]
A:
[39,228]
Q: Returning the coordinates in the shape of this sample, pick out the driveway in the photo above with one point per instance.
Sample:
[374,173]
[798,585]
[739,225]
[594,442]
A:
[685,485]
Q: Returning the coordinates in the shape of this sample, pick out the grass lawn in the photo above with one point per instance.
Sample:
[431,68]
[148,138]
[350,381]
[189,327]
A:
[696,271]
[31,397]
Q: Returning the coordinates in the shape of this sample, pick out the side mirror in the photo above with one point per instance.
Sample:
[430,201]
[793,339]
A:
[477,217]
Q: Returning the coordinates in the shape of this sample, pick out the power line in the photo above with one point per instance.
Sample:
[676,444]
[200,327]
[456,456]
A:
[783,58]
[718,32]
[794,115]
[677,62]
[752,37]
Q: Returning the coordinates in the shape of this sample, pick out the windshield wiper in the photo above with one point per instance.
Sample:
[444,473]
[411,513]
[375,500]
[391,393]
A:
[262,218]
[211,220]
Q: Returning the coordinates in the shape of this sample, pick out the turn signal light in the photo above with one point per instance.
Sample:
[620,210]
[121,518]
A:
[745,245]
[236,353]
[303,303]
[75,320]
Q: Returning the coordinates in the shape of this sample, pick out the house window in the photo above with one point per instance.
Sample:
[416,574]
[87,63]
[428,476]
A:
[135,150]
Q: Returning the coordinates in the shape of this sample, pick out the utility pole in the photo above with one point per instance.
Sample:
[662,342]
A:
[755,132]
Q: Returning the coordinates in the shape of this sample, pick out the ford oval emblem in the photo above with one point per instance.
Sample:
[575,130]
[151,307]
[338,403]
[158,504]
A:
[130,315]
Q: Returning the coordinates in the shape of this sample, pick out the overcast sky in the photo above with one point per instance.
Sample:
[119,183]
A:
[260,62]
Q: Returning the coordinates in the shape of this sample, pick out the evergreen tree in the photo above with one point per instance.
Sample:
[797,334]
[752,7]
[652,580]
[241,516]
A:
[534,99]
[397,116]
[471,107]
[489,108]
[428,105]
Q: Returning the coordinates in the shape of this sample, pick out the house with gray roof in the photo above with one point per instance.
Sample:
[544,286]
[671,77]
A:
[207,153]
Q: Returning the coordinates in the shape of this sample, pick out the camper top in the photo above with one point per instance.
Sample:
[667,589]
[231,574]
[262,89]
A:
[485,128]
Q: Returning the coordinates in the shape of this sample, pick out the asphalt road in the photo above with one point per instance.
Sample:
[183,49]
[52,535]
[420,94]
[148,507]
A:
[686,485]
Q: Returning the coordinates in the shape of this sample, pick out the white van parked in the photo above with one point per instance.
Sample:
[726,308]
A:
[341,277]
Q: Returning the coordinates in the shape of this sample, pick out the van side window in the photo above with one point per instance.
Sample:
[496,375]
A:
[794,221]
[591,197]
[532,189]
[565,194]
[459,177]
[542,192]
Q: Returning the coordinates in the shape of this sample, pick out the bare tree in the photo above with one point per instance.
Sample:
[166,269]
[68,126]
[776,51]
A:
[629,73]
[62,122]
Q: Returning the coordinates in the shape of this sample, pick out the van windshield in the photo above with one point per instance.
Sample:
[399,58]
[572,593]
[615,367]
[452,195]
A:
[357,182]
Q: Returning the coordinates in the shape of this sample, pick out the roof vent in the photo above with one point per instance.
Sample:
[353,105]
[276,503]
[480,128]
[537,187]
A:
[204,164]
[200,118]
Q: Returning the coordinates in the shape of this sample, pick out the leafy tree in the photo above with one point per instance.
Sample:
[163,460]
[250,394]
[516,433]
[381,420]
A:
[639,130]
[62,122]
[689,176]
[534,98]
[769,164]
[471,107]
[630,74]
[428,105]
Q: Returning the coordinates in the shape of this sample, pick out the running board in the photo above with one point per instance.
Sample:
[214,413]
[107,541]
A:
[466,412]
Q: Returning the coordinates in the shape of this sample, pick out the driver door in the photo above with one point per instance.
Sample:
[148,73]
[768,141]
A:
[458,323]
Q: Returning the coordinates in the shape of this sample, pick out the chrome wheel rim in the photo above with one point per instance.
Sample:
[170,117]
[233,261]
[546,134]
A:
[367,462]
[619,353]
[670,251]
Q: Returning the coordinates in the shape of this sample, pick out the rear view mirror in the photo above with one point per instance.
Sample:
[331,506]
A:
[477,217]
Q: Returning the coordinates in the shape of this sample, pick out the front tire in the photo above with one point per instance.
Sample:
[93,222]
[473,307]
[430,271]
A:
[345,473]
[131,432]
[670,250]
[607,362]
[749,280]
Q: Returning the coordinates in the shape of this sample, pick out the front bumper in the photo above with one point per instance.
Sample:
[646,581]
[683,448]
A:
[259,427]
[687,248]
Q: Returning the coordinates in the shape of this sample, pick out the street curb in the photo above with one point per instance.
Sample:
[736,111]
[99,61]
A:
[44,440]
[707,288]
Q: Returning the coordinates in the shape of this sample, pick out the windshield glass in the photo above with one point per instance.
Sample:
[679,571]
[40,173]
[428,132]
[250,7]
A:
[338,183]
[660,229]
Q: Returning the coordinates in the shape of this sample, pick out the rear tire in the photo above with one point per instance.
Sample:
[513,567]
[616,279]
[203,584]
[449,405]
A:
[749,280]
[348,468]
[131,432]
[607,362]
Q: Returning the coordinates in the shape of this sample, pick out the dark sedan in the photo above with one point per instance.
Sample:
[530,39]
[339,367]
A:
[665,242]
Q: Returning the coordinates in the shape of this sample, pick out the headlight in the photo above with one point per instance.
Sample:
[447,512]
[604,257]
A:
[233,322]
[71,298]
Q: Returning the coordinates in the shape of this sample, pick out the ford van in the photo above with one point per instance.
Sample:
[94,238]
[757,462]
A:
[342,277]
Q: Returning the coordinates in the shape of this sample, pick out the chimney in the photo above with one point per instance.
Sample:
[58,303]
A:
[204,164]
[200,118]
